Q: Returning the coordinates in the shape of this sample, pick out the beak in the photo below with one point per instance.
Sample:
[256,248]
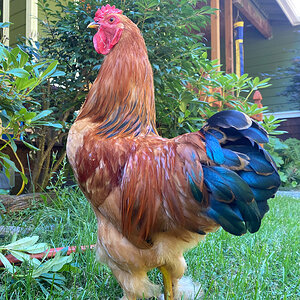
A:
[93,25]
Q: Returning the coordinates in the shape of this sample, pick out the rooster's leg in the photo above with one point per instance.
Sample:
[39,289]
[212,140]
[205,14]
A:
[167,279]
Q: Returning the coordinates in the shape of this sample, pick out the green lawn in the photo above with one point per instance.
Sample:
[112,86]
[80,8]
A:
[264,265]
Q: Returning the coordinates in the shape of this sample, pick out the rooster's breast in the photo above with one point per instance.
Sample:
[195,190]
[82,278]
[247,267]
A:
[97,162]
[75,140]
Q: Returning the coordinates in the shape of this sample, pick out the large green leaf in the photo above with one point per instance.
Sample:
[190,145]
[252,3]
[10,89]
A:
[23,59]
[42,115]
[6,263]
[25,83]
[8,162]
[50,69]
[22,244]
[52,265]
[18,72]
[20,255]
[37,248]
[30,146]
[55,125]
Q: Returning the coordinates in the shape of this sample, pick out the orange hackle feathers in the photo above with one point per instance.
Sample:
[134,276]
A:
[123,92]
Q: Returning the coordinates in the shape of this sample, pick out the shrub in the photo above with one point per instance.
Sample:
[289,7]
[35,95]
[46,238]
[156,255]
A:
[287,157]
[19,112]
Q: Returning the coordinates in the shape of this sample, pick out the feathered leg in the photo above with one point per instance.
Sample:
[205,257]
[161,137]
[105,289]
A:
[134,282]
[182,287]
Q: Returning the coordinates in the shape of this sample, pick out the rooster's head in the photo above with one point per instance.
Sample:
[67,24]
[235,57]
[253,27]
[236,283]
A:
[109,28]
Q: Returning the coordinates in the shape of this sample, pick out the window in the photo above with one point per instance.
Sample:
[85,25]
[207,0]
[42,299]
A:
[23,18]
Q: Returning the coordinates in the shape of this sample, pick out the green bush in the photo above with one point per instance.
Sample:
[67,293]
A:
[19,112]
[287,157]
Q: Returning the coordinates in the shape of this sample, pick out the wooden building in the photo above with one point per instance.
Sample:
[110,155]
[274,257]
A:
[271,48]
[273,58]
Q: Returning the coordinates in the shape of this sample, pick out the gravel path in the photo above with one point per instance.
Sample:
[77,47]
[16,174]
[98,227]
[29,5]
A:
[294,194]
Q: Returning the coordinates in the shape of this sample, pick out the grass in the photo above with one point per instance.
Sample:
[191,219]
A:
[264,265]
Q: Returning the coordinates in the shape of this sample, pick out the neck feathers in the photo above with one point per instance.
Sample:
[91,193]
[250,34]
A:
[121,99]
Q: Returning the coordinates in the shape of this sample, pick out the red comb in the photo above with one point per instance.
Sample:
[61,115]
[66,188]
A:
[107,9]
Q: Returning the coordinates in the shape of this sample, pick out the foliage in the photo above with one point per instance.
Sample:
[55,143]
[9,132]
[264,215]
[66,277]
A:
[211,90]
[38,272]
[287,157]
[19,112]
[254,266]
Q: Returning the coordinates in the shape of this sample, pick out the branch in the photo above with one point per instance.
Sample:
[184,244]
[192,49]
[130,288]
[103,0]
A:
[59,161]
[47,176]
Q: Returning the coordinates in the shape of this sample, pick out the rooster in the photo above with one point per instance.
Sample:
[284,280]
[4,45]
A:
[155,198]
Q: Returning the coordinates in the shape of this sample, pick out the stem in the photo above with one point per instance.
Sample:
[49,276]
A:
[249,95]
[59,161]
[38,165]
[47,176]
[4,146]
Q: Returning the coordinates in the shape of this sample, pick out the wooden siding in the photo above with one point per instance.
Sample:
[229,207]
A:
[264,58]
[292,126]
[18,18]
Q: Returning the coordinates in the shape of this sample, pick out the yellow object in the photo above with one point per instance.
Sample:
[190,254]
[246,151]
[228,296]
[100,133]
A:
[239,47]
[239,24]
[237,57]
[93,25]
[168,288]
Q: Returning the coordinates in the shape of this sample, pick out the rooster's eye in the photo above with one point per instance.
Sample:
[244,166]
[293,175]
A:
[111,20]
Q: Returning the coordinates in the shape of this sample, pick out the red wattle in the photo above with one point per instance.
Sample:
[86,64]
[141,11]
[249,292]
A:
[100,42]
[105,39]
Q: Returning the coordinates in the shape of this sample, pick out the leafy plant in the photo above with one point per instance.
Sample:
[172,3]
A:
[210,91]
[287,157]
[39,271]
[19,113]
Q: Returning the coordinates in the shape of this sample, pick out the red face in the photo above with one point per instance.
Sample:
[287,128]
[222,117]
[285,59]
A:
[109,29]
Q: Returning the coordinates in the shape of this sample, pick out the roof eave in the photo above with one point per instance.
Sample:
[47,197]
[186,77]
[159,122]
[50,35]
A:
[287,8]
